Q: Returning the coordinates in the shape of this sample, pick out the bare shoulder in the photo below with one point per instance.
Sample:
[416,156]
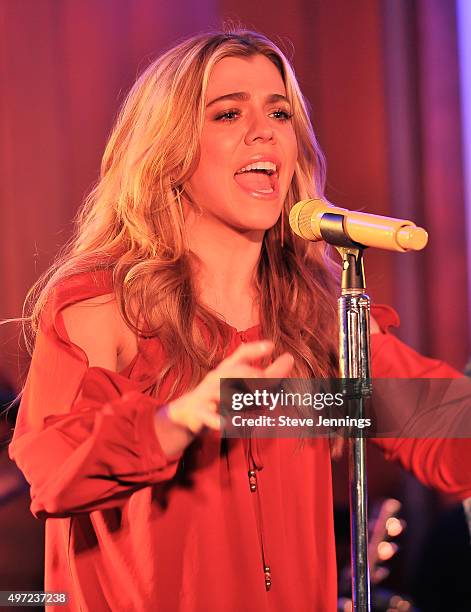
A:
[96,326]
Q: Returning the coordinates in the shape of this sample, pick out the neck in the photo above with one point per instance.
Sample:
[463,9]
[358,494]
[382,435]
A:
[225,272]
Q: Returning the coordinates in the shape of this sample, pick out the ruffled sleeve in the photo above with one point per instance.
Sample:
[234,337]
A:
[439,462]
[85,437]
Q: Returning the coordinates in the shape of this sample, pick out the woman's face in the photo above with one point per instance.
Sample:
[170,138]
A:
[248,145]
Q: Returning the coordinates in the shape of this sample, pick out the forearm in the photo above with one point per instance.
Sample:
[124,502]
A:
[93,458]
[442,463]
[439,463]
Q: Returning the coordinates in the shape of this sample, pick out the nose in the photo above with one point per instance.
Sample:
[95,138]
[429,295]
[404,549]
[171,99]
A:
[259,130]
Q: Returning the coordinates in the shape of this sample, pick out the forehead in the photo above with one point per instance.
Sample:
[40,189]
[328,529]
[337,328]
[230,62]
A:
[251,74]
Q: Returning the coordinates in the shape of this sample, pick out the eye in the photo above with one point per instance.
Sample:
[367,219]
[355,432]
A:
[228,115]
[281,115]
[232,114]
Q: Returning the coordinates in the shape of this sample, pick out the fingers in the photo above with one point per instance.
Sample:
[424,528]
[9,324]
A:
[251,351]
[237,365]
[211,420]
[280,368]
[207,415]
[198,408]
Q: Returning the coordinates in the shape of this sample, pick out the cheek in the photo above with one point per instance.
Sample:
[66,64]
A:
[215,161]
[291,153]
[292,147]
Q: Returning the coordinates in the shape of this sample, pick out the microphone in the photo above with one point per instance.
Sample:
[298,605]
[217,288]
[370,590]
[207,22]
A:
[312,220]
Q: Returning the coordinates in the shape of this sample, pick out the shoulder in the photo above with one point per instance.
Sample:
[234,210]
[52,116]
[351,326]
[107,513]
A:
[85,312]
[92,325]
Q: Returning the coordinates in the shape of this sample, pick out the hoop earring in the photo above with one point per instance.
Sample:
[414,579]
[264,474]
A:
[282,227]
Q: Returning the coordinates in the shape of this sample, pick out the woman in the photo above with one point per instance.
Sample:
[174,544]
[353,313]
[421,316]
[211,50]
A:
[183,243]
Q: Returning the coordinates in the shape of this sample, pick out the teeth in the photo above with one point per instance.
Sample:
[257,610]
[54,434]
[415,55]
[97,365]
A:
[265,165]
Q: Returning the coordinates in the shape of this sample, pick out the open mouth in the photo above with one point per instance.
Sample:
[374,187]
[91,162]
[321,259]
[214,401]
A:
[259,178]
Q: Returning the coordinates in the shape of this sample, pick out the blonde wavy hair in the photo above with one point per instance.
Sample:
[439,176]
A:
[132,221]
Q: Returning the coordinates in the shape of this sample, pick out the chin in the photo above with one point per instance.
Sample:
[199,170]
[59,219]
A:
[260,224]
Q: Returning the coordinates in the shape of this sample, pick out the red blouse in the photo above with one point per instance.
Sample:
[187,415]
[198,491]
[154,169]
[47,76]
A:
[129,529]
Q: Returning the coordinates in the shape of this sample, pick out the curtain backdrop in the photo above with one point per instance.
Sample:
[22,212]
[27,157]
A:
[382,80]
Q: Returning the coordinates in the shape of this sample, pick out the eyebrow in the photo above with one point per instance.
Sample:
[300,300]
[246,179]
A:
[243,96]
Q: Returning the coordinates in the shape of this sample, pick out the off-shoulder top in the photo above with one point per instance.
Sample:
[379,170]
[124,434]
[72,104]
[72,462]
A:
[129,529]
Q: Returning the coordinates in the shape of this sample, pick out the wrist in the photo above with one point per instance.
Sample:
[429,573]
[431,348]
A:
[174,419]
[173,437]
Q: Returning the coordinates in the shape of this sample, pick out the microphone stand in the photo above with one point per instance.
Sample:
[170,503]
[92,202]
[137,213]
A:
[355,367]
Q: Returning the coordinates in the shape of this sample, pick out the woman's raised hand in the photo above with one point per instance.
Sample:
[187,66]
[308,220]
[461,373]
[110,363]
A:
[199,408]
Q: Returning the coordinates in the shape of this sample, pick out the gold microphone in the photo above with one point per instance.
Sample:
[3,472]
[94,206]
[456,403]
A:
[364,229]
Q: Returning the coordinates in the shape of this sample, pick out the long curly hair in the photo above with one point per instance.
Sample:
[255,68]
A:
[132,221]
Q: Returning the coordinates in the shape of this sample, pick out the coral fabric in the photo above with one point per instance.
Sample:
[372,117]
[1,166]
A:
[130,529]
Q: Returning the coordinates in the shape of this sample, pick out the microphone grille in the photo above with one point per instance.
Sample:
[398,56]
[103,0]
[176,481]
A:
[412,238]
